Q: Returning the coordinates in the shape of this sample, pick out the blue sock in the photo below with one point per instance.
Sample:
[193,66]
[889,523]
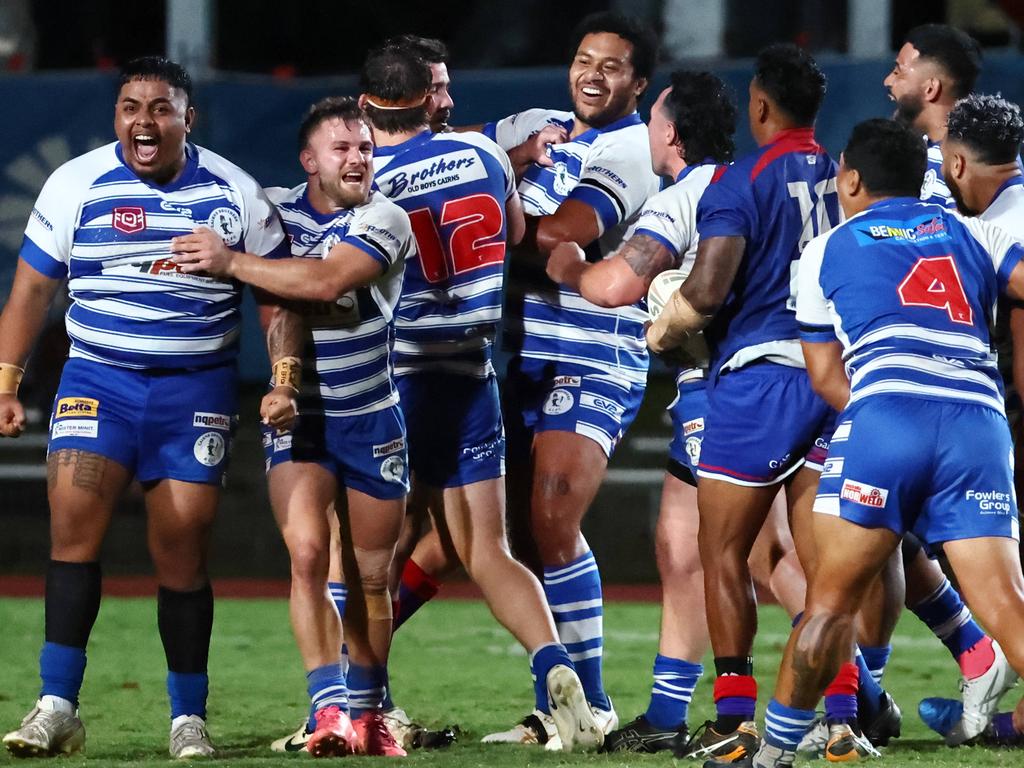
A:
[326,687]
[339,596]
[366,687]
[868,685]
[796,619]
[541,661]
[674,681]
[876,658]
[61,668]
[573,592]
[785,726]
[388,702]
[951,621]
[188,692]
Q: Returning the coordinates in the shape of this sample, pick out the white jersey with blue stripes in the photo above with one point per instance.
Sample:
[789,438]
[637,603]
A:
[934,188]
[346,366]
[608,169]
[909,289]
[1006,210]
[454,186]
[109,231]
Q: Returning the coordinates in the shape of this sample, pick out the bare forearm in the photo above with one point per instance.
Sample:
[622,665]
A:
[23,318]
[310,279]
[625,277]
[709,283]
[285,334]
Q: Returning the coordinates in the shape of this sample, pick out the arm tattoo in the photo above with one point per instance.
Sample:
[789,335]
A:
[285,334]
[646,256]
[87,471]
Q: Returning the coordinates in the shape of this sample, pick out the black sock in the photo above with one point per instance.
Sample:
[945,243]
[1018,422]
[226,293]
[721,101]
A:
[72,602]
[185,620]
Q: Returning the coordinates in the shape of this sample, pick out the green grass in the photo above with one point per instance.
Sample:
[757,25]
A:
[451,664]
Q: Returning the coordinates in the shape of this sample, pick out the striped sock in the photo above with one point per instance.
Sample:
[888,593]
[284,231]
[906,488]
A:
[573,592]
[951,621]
[674,681]
[785,726]
[876,658]
[366,687]
[326,687]
[339,596]
[415,590]
[542,659]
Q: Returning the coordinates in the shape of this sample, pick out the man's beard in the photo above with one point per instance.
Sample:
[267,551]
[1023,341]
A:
[908,109]
[439,120]
[958,198]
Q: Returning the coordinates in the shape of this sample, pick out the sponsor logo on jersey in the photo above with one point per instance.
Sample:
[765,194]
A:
[129,219]
[374,230]
[693,425]
[392,469]
[227,223]
[567,381]
[609,174]
[654,213]
[864,494]
[211,420]
[928,230]
[991,502]
[432,173]
[158,267]
[75,428]
[486,450]
[77,407]
[38,216]
[384,449]
[167,205]
[209,449]
[603,404]
[283,443]
[558,402]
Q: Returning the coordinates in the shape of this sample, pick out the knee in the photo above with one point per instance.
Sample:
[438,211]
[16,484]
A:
[374,568]
[309,560]
[678,560]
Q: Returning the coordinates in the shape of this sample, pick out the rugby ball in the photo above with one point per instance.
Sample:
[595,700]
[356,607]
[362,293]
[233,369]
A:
[662,287]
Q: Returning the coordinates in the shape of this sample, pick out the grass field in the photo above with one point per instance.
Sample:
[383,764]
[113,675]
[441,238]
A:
[451,664]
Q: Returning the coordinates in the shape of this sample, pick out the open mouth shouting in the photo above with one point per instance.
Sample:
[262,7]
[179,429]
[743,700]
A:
[145,146]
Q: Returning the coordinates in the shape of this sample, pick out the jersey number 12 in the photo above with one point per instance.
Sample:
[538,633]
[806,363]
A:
[477,220]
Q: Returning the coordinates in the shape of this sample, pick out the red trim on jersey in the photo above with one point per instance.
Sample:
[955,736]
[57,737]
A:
[718,173]
[845,682]
[784,142]
[727,686]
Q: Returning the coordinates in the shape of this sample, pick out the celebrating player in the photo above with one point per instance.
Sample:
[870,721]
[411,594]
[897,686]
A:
[690,133]
[762,416]
[901,296]
[459,191]
[350,433]
[579,370]
[149,390]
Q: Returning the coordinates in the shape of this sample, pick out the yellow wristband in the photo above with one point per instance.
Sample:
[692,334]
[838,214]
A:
[288,373]
[10,378]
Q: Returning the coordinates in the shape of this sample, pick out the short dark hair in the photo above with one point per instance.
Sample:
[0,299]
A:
[891,158]
[345,107]
[703,111]
[952,49]
[157,68]
[990,126]
[793,80]
[396,75]
[639,35]
[430,49]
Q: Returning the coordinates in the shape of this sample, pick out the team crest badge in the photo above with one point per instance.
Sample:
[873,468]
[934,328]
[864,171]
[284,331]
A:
[226,223]
[392,469]
[563,182]
[209,449]
[130,219]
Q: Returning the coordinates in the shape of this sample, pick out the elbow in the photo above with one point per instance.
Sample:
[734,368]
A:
[550,234]
[328,291]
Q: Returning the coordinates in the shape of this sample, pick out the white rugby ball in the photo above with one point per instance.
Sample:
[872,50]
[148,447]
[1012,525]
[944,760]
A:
[661,290]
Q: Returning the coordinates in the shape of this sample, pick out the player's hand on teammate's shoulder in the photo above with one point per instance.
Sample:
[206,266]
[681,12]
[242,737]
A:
[203,251]
[12,416]
[278,408]
[564,261]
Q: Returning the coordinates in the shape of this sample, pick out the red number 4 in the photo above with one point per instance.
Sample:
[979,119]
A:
[478,219]
[935,282]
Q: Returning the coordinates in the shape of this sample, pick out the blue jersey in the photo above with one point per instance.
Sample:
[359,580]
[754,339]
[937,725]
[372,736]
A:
[910,289]
[109,232]
[608,169]
[454,187]
[346,367]
[777,198]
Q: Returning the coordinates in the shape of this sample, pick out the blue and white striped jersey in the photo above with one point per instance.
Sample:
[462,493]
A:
[934,188]
[1006,210]
[909,289]
[609,169]
[454,187]
[346,367]
[108,231]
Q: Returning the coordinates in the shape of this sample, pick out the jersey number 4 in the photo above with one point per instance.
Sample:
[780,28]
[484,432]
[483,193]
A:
[476,219]
[935,282]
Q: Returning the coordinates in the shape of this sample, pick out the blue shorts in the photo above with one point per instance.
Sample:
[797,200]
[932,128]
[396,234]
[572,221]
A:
[366,453]
[941,469]
[159,425]
[816,457]
[688,412]
[554,397]
[455,432]
[762,421]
